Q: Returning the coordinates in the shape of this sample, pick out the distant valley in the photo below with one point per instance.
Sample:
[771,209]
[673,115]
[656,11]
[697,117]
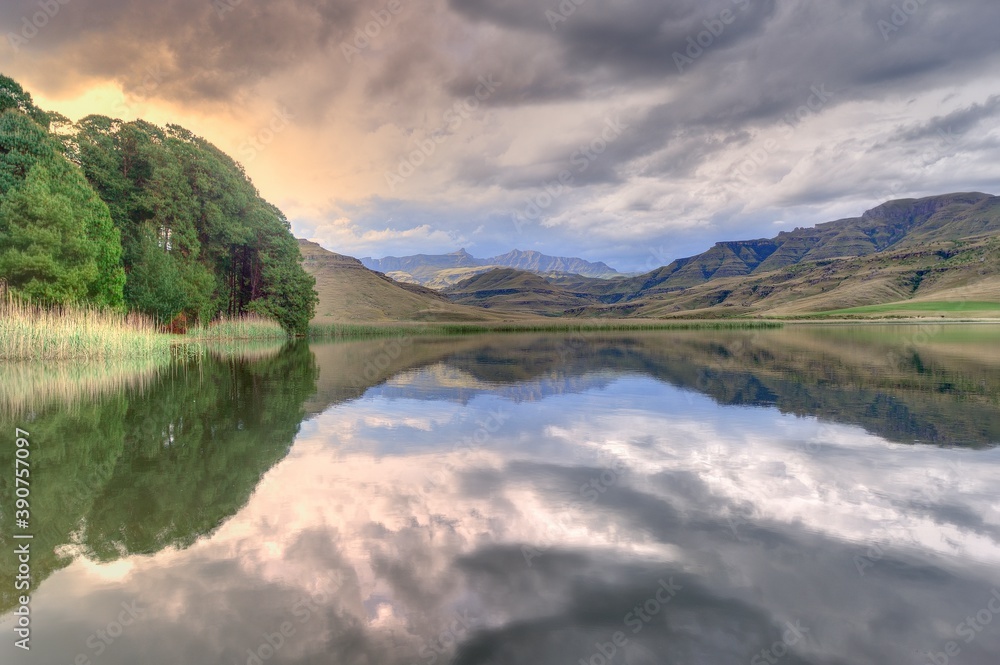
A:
[902,258]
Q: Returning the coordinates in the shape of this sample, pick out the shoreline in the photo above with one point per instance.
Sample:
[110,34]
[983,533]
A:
[165,344]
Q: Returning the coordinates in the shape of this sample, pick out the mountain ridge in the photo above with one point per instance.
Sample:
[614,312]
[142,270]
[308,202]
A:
[904,245]
[884,227]
[440,270]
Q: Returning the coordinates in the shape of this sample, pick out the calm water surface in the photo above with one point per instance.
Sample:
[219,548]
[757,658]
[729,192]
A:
[808,495]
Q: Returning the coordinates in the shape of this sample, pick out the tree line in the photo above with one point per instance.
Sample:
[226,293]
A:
[136,217]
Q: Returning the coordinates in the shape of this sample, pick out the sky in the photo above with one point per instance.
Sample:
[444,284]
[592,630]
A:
[626,131]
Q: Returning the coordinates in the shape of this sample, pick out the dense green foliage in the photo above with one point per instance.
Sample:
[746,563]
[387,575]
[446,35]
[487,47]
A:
[14,98]
[58,244]
[160,221]
[198,240]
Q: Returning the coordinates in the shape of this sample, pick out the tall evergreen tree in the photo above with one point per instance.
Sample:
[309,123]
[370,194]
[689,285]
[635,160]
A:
[45,251]
[57,241]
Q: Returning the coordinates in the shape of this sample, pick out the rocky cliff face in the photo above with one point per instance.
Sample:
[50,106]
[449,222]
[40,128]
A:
[410,264]
[893,225]
[537,262]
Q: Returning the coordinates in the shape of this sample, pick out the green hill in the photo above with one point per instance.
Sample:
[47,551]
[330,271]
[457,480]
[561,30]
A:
[512,290]
[902,224]
[348,291]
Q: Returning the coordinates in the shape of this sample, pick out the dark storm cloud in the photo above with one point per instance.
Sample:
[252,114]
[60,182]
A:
[215,49]
[629,40]
[761,72]
[197,49]
[837,42]
[697,82]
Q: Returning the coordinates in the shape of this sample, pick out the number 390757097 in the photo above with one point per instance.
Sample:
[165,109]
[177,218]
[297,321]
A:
[22,473]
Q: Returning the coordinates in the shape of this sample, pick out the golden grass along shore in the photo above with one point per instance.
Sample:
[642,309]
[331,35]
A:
[36,333]
[247,327]
[32,332]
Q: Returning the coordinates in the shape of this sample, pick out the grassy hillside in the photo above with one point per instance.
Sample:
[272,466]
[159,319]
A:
[893,226]
[901,283]
[510,290]
[350,292]
[939,249]
[971,308]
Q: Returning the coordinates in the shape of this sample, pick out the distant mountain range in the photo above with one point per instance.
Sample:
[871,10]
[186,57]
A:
[441,270]
[898,258]
[941,247]
[350,292]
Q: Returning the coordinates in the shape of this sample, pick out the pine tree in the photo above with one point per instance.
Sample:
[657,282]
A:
[58,243]
[45,252]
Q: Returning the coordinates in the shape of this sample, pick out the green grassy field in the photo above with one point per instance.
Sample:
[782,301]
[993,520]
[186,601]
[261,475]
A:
[360,330]
[31,332]
[954,308]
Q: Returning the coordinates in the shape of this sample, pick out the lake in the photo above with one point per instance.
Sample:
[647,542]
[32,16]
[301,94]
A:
[814,494]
